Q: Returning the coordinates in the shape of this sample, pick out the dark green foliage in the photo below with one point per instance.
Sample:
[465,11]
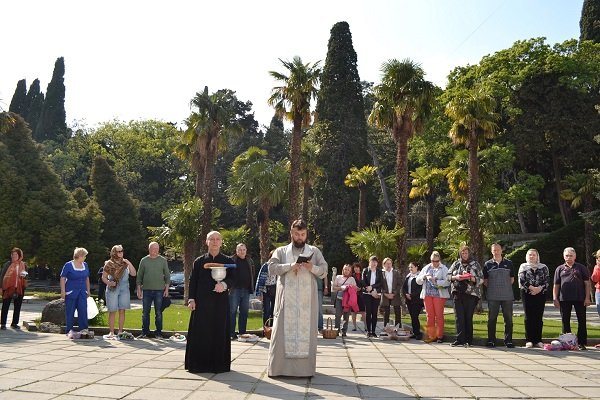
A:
[589,24]
[36,213]
[342,135]
[18,104]
[35,102]
[52,124]
[276,141]
[551,249]
[121,215]
[141,154]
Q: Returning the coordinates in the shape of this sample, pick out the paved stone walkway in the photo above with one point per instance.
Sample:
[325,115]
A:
[49,366]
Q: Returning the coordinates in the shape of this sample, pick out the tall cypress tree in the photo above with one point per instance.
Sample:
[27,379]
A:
[342,133]
[53,120]
[35,102]
[121,215]
[18,104]
[589,24]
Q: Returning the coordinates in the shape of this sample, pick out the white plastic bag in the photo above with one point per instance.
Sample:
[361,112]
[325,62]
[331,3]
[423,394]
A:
[92,308]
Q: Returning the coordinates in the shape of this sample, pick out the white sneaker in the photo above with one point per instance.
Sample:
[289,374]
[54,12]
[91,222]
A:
[540,345]
[528,345]
[71,334]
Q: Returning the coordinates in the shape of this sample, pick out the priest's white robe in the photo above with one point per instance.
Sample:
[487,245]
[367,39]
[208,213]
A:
[293,349]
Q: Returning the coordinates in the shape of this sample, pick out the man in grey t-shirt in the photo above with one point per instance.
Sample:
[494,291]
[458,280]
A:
[498,277]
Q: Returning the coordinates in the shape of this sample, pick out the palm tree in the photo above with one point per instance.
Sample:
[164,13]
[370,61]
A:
[404,101]
[581,188]
[180,234]
[310,170]
[474,121]
[425,184]
[215,116]
[360,178]
[261,181]
[292,100]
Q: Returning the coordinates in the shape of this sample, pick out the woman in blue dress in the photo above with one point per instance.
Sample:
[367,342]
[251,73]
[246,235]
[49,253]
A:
[75,289]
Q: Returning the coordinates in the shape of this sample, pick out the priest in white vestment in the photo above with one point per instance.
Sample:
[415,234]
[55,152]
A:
[293,350]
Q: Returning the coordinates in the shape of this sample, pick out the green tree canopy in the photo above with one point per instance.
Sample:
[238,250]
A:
[121,215]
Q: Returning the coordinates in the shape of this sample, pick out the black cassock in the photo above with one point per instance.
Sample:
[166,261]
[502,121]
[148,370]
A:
[208,346]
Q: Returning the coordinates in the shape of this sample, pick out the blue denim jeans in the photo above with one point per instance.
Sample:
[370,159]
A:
[598,303]
[239,297]
[149,297]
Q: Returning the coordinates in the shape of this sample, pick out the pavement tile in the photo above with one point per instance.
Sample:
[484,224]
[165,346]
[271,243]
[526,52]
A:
[168,383]
[502,392]
[394,392]
[50,387]
[79,377]
[365,371]
[380,381]
[138,371]
[528,381]
[254,396]
[280,390]
[11,383]
[157,394]
[430,372]
[480,382]
[433,390]
[110,391]
[547,392]
[586,391]
[236,376]
[125,380]
[14,395]
[212,386]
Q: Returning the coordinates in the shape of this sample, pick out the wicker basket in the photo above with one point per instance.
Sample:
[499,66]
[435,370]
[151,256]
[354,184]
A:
[329,332]
[267,329]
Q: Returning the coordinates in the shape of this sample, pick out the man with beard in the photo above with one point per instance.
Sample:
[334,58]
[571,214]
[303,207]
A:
[293,350]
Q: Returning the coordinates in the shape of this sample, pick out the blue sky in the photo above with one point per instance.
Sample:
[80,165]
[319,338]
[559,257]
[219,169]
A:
[146,59]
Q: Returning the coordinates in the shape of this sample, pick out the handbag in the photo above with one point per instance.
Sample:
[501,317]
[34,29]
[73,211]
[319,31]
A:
[271,290]
[166,302]
[329,332]
[267,329]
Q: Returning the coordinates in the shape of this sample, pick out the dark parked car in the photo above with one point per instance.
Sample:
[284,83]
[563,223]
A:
[176,287]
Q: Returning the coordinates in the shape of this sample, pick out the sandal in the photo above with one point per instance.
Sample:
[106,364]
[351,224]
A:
[110,336]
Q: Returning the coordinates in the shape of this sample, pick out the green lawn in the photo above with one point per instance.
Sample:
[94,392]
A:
[176,318]
[552,328]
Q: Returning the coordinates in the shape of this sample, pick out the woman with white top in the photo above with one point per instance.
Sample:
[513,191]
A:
[434,278]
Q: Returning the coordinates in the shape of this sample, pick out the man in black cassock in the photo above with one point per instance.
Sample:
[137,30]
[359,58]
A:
[208,346]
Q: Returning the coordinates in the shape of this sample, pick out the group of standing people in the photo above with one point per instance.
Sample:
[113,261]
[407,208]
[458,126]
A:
[152,285]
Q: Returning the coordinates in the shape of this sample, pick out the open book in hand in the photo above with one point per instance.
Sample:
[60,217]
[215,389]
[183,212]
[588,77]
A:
[302,258]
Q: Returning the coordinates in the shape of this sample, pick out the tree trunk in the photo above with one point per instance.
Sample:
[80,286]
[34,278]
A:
[562,204]
[362,207]
[402,195]
[429,202]
[473,202]
[189,254]
[384,190]
[211,157]
[588,237]
[305,197]
[520,217]
[263,231]
[294,187]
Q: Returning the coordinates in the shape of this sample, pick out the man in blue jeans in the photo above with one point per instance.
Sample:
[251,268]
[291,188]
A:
[322,290]
[239,292]
[152,281]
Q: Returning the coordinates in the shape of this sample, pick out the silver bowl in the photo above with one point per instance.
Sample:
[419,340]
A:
[218,273]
